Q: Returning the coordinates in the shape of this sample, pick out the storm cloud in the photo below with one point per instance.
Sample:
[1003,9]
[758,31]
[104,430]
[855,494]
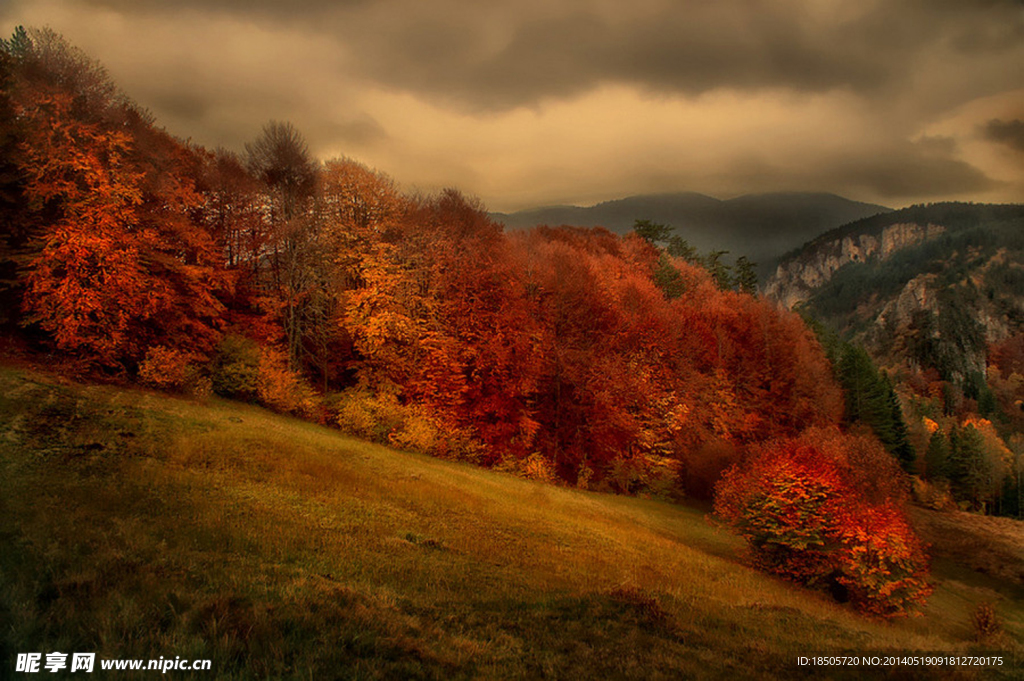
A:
[1010,133]
[582,100]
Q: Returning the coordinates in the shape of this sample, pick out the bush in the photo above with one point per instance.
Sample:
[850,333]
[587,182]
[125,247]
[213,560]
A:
[532,467]
[807,519]
[881,562]
[369,416]
[281,389]
[174,371]
[987,625]
[383,419]
[235,371]
[416,433]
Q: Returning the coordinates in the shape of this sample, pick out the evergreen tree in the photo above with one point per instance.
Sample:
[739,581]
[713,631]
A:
[746,275]
[857,373]
[935,459]
[871,400]
[652,232]
[969,471]
[668,278]
[894,435]
[719,271]
[679,247]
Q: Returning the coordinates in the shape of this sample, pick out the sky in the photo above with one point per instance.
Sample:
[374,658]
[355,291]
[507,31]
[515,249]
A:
[536,102]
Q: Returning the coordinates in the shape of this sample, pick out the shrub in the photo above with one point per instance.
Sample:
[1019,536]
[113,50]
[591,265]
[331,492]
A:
[881,562]
[174,371]
[281,389]
[369,416]
[934,495]
[383,419]
[416,433]
[235,371]
[533,467]
[800,505]
[987,624]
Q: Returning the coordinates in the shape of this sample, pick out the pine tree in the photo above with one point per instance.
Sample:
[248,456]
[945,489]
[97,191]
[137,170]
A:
[895,430]
[871,400]
[969,472]
[746,275]
[935,459]
[719,271]
[652,232]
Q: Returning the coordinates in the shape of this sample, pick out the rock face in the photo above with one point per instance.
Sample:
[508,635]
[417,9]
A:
[940,283]
[900,236]
[795,280]
[917,295]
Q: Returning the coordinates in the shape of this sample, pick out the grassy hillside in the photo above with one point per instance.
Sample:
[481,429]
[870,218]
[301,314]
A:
[138,525]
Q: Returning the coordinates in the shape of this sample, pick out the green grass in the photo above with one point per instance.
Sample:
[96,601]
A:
[137,525]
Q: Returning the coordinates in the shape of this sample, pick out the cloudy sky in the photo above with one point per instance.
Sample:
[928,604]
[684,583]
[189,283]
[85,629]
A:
[533,102]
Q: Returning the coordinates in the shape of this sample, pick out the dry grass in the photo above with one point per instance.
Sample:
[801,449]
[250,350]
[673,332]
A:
[989,545]
[135,524]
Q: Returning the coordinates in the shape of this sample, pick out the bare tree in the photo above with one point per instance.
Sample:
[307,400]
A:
[279,158]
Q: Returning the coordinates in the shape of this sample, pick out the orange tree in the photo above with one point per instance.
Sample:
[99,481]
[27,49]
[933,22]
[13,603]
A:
[801,506]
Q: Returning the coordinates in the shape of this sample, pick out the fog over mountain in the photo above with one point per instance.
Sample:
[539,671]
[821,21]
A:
[761,226]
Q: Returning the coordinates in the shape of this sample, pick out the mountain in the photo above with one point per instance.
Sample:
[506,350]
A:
[761,226]
[928,286]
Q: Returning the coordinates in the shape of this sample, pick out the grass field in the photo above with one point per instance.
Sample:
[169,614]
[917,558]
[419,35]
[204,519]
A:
[137,525]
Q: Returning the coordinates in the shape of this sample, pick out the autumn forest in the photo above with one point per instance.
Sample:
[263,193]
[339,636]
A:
[318,288]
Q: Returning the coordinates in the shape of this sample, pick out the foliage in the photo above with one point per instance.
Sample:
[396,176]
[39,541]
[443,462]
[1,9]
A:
[987,623]
[742,275]
[382,418]
[532,467]
[652,232]
[115,263]
[804,509]
[174,371]
[235,370]
[620,363]
[281,389]
[936,459]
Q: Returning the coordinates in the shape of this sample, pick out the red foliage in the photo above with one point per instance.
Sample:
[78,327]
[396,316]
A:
[86,285]
[1008,355]
[559,343]
[121,266]
[801,505]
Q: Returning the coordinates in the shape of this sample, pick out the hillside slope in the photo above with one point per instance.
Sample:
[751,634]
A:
[138,525]
[760,226]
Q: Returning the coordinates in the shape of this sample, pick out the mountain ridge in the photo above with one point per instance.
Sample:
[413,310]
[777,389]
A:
[927,285]
[762,226]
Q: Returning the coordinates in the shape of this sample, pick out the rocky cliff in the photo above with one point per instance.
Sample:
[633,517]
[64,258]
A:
[796,279]
[928,286]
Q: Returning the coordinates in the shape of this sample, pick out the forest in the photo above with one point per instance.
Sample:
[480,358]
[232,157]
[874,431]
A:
[319,288]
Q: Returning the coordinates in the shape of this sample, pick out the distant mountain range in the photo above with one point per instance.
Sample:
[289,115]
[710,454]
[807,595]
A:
[761,226]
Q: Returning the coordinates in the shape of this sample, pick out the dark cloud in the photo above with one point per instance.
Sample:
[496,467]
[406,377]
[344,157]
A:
[1010,133]
[908,171]
[525,100]
[494,56]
